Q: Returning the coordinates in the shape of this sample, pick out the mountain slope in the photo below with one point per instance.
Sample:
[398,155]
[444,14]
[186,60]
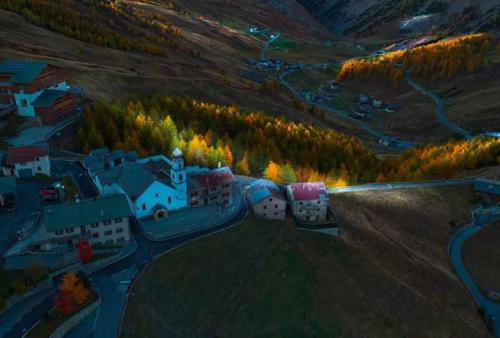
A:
[361,17]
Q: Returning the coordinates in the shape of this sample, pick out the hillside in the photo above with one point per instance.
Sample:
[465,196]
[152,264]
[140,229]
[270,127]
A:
[388,17]
[387,276]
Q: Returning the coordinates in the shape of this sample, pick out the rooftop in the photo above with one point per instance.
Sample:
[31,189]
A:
[47,98]
[133,178]
[212,179]
[75,214]
[22,72]
[487,186]
[25,154]
[309,191]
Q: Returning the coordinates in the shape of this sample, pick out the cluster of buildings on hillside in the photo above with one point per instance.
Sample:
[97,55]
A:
[273,65]
[368,105]
[36,89]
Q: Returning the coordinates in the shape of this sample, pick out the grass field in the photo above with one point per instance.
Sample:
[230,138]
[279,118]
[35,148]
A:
[481,255]
[387,276]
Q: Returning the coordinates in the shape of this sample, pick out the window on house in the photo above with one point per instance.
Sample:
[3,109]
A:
[180,177]
[95,235]
[108,232]
[39,168]
[265,206]
[275,206]
[95,225]
[107,222]
[118,220]
[24,103]
[156,195]
[143,206]
[69,230]
[270,200]
[120,240]
[264,214]
[119,230]
[169,200]
[109,241]
[59,232]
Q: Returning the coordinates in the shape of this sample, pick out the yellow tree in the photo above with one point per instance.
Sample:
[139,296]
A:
[272,172]
[242,167]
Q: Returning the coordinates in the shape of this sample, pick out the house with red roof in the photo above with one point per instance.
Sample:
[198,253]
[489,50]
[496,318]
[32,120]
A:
[26,161]
[213,186]
[309,201]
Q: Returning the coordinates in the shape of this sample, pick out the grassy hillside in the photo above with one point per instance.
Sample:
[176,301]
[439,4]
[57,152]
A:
[387,276]
[482,257]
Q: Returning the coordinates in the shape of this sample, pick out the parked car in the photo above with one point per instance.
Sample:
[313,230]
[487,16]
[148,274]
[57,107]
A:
[49,193]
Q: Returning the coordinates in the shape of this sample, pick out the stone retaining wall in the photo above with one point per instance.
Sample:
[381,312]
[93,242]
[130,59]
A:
[72,322]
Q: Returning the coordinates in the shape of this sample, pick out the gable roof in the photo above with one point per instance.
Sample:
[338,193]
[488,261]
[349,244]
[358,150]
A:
[75,214]
[24,154]
[22,71]
[130,176]
[487,186]
[309,191]
[47,98]
[7,184]
[212,178]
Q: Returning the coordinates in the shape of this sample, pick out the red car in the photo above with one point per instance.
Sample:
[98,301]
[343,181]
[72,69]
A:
[49,193]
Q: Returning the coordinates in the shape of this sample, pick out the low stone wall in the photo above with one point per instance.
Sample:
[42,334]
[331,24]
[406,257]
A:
[72,322]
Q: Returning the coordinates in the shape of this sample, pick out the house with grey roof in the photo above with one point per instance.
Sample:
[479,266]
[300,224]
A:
[35,89]
[266,199]
[153,186]
[104,220]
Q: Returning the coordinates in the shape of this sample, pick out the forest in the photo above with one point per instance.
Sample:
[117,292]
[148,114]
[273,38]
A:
[253,143]
[62,17]
[442,59]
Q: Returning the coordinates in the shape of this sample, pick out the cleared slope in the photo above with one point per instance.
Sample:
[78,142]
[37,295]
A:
[388,276]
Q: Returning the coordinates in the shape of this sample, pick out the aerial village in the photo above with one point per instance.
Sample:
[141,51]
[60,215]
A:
[69,209]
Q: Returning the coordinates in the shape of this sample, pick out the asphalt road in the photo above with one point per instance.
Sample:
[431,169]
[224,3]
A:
[491,308]
[439,108]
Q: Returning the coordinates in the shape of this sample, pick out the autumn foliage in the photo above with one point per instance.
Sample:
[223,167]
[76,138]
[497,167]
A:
[261,145]
[72,293]
[441,59]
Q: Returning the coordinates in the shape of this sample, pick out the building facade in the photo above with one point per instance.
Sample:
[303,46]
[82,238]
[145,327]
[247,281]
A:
[101,221]
[308,201]
[151,185]
[266,199]
[211,187]
[31,88]
[27,161]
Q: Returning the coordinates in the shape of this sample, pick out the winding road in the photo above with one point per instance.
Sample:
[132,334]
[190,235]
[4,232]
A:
[390,141]
[491,309]
[439,107]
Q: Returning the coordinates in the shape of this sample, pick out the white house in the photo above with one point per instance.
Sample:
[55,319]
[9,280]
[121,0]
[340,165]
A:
[309,201]
[266,199]
[27,161]
[153,185]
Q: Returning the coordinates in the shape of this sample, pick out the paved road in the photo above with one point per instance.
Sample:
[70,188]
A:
[275,36]
[491,308]
[64,167]
[390,186]
[105,281]
[439,108]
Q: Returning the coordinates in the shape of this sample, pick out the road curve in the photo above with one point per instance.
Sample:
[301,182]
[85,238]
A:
[439,108]
[491,309]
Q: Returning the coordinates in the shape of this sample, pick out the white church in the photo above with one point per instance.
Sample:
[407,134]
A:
[153,185]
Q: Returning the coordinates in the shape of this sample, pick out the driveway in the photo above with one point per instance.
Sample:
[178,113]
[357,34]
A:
[27,206]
